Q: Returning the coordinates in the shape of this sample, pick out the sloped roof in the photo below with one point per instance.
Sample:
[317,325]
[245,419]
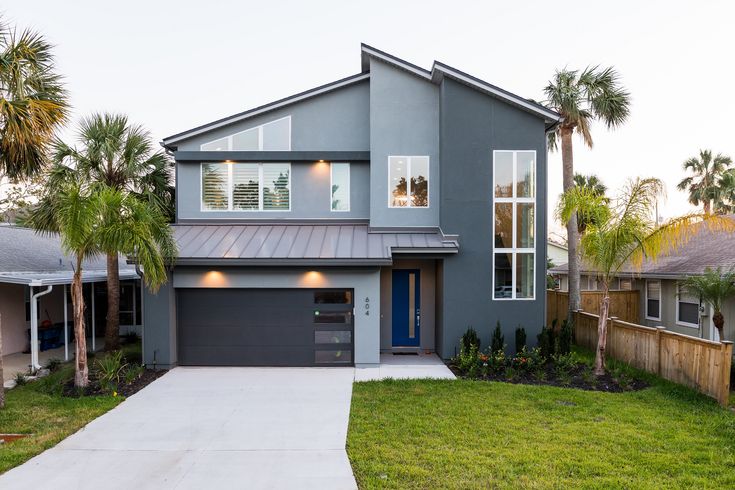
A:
[705,249]
[293,244]
[28,257]
[435,75]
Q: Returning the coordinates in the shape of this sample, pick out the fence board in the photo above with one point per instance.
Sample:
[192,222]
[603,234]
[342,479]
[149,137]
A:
[624,304]
[700,364]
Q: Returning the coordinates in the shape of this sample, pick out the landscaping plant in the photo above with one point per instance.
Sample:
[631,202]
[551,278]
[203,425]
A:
[520,338]
[703,185]
[582,97]
[124,157]
[713,288]
[110,369]
[498,341]
[470,339]
[565,337]
[624,231]
[33,106]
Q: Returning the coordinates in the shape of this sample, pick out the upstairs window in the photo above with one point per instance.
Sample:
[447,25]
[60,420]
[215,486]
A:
[408,182]
[272,136]
[653,299]
[514,224]
[340,186]
[246,187]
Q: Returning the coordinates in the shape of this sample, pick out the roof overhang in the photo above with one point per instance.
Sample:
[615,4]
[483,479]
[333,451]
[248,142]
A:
[41,278]
[271,156]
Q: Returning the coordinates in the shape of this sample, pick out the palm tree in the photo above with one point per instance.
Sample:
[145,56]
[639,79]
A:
[91,218]
[724,202]
[623,231]
[33,104]
[713,287]
[124,157]
[702,184]
[581,98]
[595,185]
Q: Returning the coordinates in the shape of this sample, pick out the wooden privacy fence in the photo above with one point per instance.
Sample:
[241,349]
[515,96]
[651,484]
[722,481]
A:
[698,363]
[623,304]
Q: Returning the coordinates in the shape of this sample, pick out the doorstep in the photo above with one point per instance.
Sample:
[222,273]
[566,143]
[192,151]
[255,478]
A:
[420,366]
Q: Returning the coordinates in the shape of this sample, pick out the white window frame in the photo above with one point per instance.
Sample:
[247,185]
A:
[660,302]
[260,136]
[677,321]
[408,183]
[230,209]
[514,251]
[349,187]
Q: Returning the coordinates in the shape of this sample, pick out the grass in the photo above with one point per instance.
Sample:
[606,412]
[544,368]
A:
[475,434]
[37,408]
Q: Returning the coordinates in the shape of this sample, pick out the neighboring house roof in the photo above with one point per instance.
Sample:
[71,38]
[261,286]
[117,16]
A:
[557,245]
[27,257]
[438,72]
[294,244]
[705,249]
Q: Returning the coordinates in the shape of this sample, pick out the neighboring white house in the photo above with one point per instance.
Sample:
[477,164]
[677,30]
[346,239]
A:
[556,252]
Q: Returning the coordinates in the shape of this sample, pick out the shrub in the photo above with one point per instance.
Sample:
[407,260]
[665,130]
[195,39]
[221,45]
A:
[130,338]
[564,363]
[110,368]
[133,373]
[498,340]
[528,360]
[468,362]
[469,339]
[520,338]
[546,341]
[497,362]
[565,337]
[20,379]
[53,364]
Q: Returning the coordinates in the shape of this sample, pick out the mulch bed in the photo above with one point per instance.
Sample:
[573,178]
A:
[124,389]
[574,379]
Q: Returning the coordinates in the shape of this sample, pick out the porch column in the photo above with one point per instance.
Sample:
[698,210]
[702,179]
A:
[93,315]
[66,328]
[35,366]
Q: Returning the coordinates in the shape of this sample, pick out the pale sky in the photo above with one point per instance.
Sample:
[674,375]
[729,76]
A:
[173,65]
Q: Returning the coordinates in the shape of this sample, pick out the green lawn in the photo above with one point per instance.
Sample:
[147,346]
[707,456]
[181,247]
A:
[474,434]
[38,408]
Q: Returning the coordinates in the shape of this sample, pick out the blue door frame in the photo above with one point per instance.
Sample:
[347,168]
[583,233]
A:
[406,308]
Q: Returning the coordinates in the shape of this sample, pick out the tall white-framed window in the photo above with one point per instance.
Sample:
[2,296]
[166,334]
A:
[408,181]
[514,224]
[653,299]
[339,185]
[687,307]
[271,136]
[246,186]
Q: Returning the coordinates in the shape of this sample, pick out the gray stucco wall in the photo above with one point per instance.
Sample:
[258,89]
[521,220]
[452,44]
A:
[427,272]
[404,121]
[336,120]
[310,195]
[159,326]
[472,126]
[160,309]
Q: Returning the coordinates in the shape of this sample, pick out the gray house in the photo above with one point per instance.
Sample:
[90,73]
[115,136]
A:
[663,300]
[384,212]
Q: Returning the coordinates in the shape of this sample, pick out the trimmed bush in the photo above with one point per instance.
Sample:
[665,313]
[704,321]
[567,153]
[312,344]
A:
[520,338]
[470,339]
[498,341]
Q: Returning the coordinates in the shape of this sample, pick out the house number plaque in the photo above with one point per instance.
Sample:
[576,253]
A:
[367,306]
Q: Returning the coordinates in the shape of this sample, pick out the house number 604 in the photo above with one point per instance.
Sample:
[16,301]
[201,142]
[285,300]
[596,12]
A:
[367,306]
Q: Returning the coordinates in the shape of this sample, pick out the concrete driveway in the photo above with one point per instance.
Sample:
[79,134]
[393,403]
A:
[217,428]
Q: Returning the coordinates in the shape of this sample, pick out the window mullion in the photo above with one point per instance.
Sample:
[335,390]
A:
[260,187]
[408,182]
[229,185]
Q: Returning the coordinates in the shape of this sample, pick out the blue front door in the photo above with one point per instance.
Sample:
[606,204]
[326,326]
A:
[406,308]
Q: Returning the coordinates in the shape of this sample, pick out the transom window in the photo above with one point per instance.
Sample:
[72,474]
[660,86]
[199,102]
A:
[246,186]
[653,299]
[340,186]
[271,136]
[408,181]
[687,308]
[514,224]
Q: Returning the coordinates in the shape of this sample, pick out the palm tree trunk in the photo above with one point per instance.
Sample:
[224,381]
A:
[707,207]
[718,319]
[112,326]
[602,329]
[2,389]
[567,158]
[81,371]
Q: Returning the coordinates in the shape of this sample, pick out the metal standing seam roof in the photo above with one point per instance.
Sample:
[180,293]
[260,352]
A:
[331,244]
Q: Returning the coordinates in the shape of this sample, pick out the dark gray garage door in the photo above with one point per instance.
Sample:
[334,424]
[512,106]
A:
[265,327]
